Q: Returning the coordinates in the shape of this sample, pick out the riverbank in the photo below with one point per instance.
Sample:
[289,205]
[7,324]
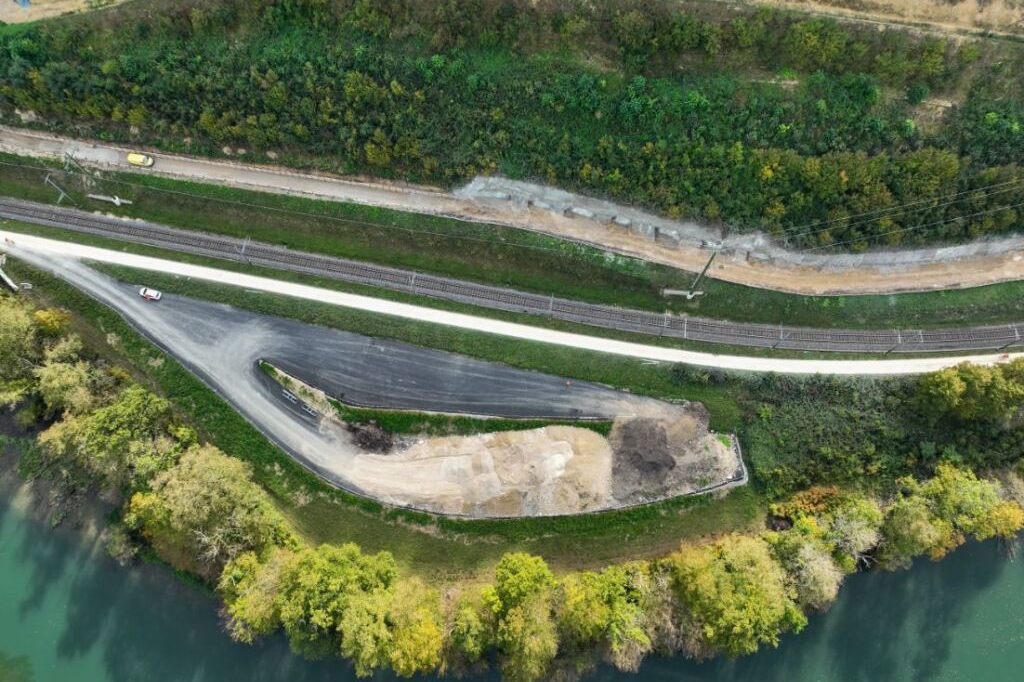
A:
[70,612]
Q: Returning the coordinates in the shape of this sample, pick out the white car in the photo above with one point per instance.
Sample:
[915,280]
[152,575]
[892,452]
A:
[150,294]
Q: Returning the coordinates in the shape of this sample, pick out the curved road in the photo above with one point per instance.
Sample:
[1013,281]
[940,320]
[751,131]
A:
[28,245]
[989,337]
[222,345]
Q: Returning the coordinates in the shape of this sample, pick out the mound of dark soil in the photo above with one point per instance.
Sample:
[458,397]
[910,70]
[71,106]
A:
[642,446]
[371,437]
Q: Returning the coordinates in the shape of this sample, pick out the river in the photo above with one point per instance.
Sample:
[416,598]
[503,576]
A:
[67,612]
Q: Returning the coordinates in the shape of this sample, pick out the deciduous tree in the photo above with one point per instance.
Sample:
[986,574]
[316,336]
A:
[737,593]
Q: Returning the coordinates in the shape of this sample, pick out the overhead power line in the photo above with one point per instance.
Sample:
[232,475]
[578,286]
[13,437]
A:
[305,214]
[898,209]
[918,227]
[859,219]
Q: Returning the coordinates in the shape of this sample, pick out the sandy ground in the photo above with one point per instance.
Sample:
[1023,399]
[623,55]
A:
[1002,16]
[55,254]
[547,471]
[12,13]
[551,470]
[749,259]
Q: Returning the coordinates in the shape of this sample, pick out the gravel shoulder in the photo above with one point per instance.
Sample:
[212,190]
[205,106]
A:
[749,259]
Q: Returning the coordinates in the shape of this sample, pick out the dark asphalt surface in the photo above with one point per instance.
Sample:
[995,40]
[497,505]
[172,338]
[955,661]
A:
[371,372]
[222,345]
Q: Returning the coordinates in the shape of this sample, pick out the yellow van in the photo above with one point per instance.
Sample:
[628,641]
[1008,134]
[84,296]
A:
[141,160]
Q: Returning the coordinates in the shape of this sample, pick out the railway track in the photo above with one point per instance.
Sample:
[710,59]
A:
[991,337]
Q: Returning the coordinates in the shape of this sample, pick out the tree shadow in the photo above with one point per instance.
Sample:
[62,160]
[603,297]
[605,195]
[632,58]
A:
[155,627]
[48,553]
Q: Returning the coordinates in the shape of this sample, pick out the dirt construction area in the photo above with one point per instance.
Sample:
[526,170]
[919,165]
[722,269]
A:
[662,451]
[558,469]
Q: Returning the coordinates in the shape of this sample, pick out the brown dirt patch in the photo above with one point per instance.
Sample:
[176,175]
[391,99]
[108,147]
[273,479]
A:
[658,458]
[1003,16]
[12,13]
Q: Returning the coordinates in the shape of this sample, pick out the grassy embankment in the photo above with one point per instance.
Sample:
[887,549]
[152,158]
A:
[436,548]
[504,256]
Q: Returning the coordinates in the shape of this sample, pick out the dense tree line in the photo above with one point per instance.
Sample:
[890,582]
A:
[731,596]
[684,115]
[201,511]
[802,432]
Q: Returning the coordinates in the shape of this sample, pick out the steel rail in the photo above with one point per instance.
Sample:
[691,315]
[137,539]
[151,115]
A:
[991,337]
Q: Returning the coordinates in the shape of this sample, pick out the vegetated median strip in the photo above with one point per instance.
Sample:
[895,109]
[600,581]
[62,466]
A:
[419,422]
[505,351]
[992,337]
[509,329]
[442,245]
[325,314]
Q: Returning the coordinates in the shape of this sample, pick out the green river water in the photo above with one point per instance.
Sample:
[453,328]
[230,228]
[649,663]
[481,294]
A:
[70,614]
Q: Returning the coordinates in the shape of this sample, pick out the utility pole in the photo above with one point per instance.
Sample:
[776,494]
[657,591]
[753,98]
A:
[71,165]
[57,187]
[692,292]
[245,245]
[90,177]
[693,287]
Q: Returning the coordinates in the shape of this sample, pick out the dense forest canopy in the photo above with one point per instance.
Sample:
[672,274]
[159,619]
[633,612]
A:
[756,119]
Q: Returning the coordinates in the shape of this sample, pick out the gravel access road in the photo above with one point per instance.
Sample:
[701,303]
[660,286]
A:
[26,245]
[750,259]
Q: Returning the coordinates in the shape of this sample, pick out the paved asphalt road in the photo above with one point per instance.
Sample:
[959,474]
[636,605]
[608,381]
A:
[358,369]
[222,345]
[388,374]
[26,245]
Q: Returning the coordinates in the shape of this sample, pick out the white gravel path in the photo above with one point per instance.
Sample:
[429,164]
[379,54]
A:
[14,242]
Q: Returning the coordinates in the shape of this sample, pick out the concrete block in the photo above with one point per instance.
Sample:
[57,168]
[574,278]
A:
[501,196]
[578,212]
[644,230]
[667,239]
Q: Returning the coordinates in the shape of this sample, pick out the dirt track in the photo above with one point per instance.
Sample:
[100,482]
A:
[12,13]
[991,17]
[873,273]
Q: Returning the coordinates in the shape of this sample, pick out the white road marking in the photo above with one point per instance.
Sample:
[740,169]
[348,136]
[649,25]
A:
[14,241]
